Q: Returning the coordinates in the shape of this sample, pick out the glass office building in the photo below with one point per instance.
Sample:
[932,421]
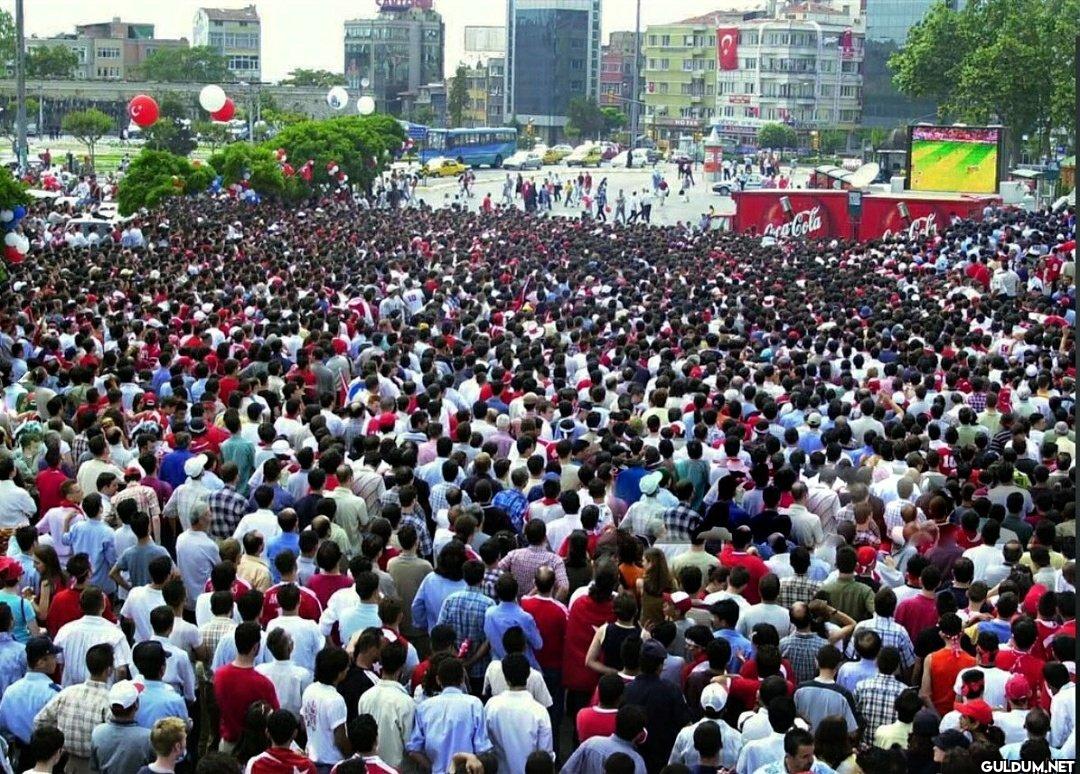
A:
[552,56]
[887,26]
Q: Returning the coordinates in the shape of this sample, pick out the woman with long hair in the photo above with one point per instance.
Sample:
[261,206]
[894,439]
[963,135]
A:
[52,575]
[833,745]
[629,552]
[253,739]
[579,565]
[656,581]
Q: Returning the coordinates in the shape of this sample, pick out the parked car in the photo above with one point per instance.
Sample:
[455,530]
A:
[643,157]
[725,187]
[524,160]
[585,156]
[443,167]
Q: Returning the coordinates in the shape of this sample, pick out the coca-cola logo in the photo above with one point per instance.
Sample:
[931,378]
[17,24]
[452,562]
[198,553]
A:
[802,224]
[919,228]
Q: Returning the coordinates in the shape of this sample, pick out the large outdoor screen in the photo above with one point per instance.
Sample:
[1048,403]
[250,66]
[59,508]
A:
[955,158]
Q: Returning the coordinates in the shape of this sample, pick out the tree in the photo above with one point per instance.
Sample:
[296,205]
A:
[302,76]
[359,145]
[88,126]
[255,164]
[173,105]
[584,118]
[51,62]
[423,115]
[199,64]
[155,175]
[614,119]
[777,136]
[170,134]
[7,37]
[1005,61]
[12,190]
[212,134]
[458,98]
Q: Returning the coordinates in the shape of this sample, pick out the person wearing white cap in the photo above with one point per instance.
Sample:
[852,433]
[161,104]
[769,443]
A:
[713,700]
[120,744]
[648,509]
[185,496]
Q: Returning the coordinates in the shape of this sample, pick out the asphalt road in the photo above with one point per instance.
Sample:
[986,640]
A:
[666,211]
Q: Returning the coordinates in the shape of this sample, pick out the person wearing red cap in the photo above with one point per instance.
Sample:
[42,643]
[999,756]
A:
[1018,694]
[976,717]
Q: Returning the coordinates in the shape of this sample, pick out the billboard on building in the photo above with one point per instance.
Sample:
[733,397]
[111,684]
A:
[955,158]
[485,40]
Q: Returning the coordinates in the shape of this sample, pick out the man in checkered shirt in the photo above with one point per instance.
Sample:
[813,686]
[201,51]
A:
[464,611]
[77,709]
[876,696]
[411,514]
[682,520]
[892,634]
[798,588]
[227,505]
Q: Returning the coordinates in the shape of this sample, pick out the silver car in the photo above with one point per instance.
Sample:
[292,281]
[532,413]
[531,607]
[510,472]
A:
[524,160]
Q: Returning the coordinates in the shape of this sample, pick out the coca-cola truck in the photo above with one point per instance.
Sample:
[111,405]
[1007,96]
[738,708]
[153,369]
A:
[824,214]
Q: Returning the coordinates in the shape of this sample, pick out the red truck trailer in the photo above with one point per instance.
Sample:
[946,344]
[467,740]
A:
[824,214]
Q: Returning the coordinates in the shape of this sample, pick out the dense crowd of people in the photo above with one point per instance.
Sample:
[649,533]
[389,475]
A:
[352,490]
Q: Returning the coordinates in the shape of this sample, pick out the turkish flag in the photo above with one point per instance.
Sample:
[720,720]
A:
[727,47]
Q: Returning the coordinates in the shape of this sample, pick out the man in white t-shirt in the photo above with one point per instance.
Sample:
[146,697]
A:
[143,599]
[323,711]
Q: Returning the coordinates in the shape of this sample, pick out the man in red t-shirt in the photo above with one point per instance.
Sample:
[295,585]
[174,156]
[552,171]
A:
[310,607]
[599,720]
[66,606]
[238,685]
[734,554]
[1018,659]
[919,613]
[551,616]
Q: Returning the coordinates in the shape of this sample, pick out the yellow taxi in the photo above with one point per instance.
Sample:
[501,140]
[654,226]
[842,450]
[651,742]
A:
[557,153]
[444,167]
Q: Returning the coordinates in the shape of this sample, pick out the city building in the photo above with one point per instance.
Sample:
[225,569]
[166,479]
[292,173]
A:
[617,62]
[887,25]
[236,34]
[482,42]
[428,98]
[394,53]
[679,83]
[802,67]
[484,84]
[552,57]
[109,51]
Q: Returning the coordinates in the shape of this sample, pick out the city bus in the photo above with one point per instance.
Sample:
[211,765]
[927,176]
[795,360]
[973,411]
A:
[487,146]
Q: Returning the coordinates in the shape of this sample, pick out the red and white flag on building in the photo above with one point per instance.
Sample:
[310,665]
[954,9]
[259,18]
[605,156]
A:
[727,47]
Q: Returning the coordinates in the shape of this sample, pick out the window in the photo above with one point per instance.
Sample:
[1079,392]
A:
[108,53]
[749,63]
[729,111]
[663,88]
[665,40]
[849,91]
[243,63]
[748,87]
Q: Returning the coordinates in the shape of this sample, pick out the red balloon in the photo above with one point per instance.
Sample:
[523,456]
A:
[143,110]
[227,111]
[12,254]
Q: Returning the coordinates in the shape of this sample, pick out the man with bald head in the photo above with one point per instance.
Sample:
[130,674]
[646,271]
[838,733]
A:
[550,615]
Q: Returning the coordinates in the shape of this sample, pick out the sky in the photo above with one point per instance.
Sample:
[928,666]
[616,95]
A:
[308,33]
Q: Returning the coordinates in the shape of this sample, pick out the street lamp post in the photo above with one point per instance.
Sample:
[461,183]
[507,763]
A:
[21,150]
[634,88]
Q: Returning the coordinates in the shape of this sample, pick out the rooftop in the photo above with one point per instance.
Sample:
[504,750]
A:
[817,8]
[247,13]
[714,16]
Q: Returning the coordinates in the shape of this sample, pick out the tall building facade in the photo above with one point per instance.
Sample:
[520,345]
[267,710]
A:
[236,34]
[802,68]
[679,83]
[109,51]
[484,85]
[552,57]
[618,58]
[887,25]
[397,52]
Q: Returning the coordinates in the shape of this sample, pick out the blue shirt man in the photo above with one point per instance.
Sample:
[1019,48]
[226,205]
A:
[450,722]
[741,648]
[96,539]
[286,541]
[507,614]
[23,700]
[159,700]
[589,757]
[12,660]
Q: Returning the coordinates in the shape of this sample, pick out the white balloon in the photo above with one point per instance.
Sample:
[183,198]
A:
[366,105]
[337,97]
[23,246]
[7,216]
[212,98]
[11,239]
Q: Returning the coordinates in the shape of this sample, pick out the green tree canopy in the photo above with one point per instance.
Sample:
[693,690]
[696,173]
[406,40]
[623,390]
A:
[7,36]
[12,190]
[199,64]
[1006,61]
[170,134]
[254,163]
[614,119]
[585,118]
[360,145]
[51,62]
[155,175]
[302,76]
[458,98]
[211,134]
[777,136]
[88,126]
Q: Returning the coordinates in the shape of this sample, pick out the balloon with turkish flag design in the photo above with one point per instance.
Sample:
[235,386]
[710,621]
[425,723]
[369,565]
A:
[227,111]
[143,110]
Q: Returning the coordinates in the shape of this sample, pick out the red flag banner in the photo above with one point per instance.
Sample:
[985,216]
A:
[727,47]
